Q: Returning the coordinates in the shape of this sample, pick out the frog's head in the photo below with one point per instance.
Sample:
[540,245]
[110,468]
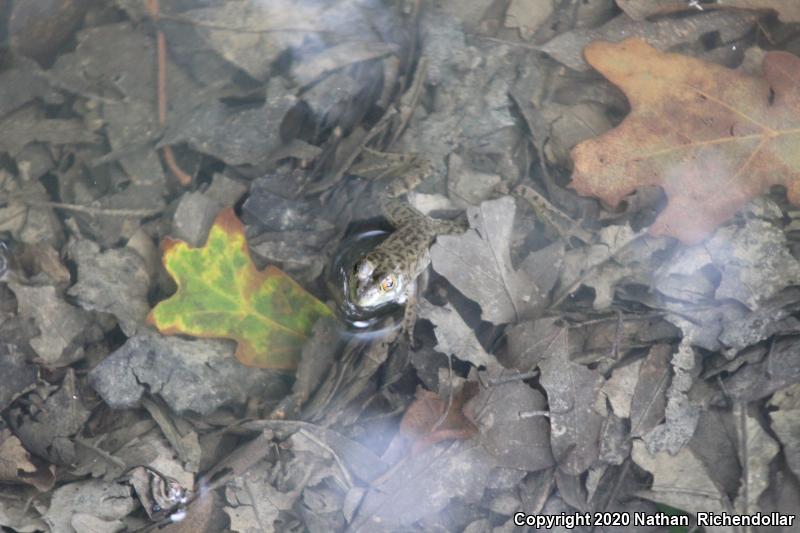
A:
[373,286]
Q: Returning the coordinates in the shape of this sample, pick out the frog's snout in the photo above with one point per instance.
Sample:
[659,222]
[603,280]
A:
[365,294]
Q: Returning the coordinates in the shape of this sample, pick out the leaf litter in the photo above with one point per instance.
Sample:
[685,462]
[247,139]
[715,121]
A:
[622,350]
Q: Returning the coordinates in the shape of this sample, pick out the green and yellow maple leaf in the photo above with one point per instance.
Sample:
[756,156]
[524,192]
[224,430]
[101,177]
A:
[221,294]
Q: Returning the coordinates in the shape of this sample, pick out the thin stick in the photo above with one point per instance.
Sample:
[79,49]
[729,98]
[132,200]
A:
[161,92]
[169,158]
[95,210]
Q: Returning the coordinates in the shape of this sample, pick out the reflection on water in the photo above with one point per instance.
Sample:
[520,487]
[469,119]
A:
[360,322]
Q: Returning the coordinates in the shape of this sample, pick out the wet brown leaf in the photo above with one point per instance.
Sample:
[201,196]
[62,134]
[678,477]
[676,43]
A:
[712,137]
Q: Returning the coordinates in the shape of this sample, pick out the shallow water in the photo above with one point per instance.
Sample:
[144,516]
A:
[357,321]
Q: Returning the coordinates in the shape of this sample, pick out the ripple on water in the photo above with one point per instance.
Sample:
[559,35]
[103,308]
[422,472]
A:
[361,322]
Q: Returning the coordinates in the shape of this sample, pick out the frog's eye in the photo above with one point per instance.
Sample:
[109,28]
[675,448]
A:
[387,283]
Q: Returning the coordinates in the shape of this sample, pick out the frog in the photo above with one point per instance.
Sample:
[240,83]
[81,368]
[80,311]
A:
[388,274]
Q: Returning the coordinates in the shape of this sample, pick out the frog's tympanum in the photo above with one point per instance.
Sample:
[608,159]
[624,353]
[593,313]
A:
[388,273]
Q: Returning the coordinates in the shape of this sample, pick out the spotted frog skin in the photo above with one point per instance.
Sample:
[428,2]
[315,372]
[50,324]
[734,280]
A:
[388,273]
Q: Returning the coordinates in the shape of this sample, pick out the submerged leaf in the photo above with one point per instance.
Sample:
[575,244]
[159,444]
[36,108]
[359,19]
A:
[712,137]
[478,263]
[572,392]
[429,419]
[567,48]
[788,10]
[222,295]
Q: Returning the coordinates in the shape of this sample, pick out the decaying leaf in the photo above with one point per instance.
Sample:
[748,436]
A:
[759,379]
[663,34]
[251,35]
[620,254]
[788,10]
[222,295]
[106,501]
[619,387]
[527,16]
[572,391]
[757,449]
[425,484]
[114,281]
[680,414]
[508,427]
[14,458]
[712,137]
[785,423]
[62,327]
[682,480]
[478,263]
[47,433]
[454,336]
[649,397]
[19,375]
[429,419]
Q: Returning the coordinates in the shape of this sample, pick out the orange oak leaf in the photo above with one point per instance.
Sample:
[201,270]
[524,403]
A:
[711,137]
[423,424]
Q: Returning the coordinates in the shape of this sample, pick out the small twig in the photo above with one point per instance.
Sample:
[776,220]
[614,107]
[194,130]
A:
[350,158]
[515,377]
[102,453]
[769,38]
[725,394]
[532,414]
[628,318]
[169,158]
[415,91]
[161,92]
[111,212]
[348,478]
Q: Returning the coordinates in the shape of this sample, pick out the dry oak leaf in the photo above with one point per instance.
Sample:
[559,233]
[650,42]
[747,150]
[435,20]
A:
[425,422]
[788,10]
[221,294]
[712,137]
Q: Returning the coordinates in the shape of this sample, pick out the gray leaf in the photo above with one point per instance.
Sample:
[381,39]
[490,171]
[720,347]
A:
[567,48]
[478,263]
[454,336]
[515,441]
[649,398]
[786,424]
[572,391]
